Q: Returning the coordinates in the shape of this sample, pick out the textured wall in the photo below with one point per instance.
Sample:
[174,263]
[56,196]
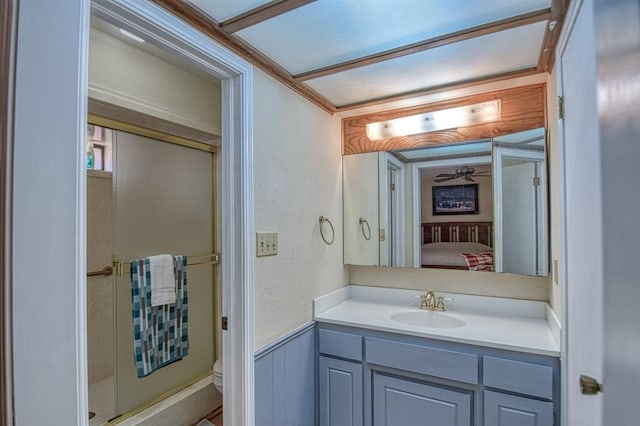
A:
[298,177]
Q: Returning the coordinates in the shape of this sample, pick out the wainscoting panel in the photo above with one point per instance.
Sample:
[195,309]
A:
[285,380]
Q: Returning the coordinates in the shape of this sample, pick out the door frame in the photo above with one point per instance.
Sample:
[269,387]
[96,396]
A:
[47,183]
[163,29]
[6,41]
[565,386]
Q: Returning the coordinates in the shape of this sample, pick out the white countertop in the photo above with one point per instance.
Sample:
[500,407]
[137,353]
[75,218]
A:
[518,325]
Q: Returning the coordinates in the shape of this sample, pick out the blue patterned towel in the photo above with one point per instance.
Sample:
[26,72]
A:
[159,332]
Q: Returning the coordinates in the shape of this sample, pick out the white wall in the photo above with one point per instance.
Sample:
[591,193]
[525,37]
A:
[129,77]
[554,155]
[297,178]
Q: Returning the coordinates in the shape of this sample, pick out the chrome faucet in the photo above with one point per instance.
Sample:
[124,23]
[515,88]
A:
[428,301]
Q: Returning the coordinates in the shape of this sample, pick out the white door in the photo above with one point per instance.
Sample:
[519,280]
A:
[520,182]
[583,220]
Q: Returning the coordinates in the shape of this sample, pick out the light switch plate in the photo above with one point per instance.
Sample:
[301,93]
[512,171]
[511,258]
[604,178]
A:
[266,244]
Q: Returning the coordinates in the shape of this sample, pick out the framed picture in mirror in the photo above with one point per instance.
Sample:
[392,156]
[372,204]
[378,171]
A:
[455,199]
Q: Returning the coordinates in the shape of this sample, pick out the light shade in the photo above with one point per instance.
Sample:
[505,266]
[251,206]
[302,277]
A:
[469,115]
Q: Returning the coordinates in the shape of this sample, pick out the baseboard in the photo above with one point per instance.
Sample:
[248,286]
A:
[213,414]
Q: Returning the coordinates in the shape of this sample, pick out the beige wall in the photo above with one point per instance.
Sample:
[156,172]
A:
[485,196]
[555,193]
[123,75]
[297,178]
[453,281]
[100,327]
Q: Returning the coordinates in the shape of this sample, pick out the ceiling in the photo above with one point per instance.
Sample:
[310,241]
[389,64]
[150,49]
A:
[345,54]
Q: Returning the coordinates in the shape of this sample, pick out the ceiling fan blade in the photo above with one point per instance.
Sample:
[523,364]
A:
[449,175]
[480,175]
[444,179]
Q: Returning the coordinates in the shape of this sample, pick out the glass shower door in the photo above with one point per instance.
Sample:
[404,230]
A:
[163,203]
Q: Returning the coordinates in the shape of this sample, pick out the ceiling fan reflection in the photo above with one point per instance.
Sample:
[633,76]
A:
[464,173]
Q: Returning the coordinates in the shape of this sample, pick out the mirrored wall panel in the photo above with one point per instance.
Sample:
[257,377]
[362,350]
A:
[479,205]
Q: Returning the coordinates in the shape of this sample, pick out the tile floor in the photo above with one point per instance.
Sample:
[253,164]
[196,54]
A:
[102,401]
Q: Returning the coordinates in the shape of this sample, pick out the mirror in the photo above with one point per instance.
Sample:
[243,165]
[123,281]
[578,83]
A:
[478,205]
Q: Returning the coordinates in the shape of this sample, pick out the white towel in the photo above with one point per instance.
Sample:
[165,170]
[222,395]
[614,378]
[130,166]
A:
[163,280]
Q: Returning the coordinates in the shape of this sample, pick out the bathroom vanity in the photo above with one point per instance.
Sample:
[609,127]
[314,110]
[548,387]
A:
[485,361]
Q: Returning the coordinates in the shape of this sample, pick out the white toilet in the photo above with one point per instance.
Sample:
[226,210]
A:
[217,374]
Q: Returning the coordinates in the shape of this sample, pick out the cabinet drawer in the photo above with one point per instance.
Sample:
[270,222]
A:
[337,343]
[517,376]
[443,363]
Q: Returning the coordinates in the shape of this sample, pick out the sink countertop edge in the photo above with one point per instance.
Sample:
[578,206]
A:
[528,334]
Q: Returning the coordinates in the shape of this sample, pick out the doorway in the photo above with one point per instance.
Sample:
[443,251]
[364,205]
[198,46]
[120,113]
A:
[146,197]
[170,35]
[50,177]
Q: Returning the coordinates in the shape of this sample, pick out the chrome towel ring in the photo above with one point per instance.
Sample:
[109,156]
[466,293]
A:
[364,222]
[333,232]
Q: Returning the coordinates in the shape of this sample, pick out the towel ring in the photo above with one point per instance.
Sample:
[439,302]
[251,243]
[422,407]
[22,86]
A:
[333,232]
[364,222]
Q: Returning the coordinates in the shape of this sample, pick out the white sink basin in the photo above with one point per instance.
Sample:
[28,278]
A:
[428,319]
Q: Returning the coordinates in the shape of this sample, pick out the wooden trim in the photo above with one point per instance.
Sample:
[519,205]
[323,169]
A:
[439,41]
[5,61]
[200,21]
[439,89]
[261,14]
[547,56]
[523,108]
[213,414]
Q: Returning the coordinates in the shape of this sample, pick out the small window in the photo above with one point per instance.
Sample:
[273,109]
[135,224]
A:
[99,148]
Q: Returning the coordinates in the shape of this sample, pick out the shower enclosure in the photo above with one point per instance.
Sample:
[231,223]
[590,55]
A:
[159,198]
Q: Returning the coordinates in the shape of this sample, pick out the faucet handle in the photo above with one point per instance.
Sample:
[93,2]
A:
[440,304]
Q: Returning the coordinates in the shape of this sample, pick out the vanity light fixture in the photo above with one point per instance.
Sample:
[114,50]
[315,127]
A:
[131,36]
[484,112]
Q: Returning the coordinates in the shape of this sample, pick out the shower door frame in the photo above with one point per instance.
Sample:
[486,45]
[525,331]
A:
[165,30]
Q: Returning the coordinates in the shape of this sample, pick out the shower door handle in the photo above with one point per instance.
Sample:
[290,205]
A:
[106,271]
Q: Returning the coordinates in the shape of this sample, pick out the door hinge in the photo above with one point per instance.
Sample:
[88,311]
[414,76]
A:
[536,181]
[225,323]
[392,186]
[561,107]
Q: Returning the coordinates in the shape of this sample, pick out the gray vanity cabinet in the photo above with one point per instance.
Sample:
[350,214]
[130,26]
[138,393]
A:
[340,392]
[509,410]
[399,401]
[373,378]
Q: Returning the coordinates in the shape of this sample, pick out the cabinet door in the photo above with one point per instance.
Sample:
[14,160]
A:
[398,402]
[509,410]
[340,392]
